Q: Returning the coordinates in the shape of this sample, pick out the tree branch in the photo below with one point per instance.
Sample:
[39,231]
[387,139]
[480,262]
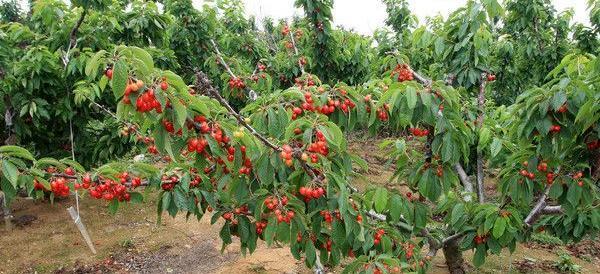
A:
[251,93]
[296,51]
[462,175]
[538,208]
[552,210]
[204,84]
[73,34]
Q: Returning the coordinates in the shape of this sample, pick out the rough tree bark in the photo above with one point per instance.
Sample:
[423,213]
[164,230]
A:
[454,258]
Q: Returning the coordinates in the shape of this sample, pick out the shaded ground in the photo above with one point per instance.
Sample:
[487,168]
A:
[131,242]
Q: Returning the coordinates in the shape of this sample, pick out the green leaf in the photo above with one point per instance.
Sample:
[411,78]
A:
[16,151]
[558,100]
[10,172]
[574,194]
[499,227]
[426,99]
[144,56]
[180,112]
[396,207]
[381,199]
[411,97]
[496,146]
[311,253]
[119,81]
[91,67]
[113,206]
[136,197]
[479,256]
[457,213]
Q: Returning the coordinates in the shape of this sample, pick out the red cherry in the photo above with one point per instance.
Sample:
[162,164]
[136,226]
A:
[164,85]
[69,171]
[109,73]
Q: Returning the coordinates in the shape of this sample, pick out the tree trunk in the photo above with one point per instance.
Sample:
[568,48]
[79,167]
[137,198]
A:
[595,165]
[454,258]
[480,176]
[8,122]
[480,117]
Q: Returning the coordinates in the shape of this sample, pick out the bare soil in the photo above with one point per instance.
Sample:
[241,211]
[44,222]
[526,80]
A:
[47,241]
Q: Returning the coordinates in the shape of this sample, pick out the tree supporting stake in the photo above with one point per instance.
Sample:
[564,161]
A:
[81,228]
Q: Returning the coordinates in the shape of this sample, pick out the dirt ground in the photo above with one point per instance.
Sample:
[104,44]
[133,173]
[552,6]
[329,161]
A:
[131,242]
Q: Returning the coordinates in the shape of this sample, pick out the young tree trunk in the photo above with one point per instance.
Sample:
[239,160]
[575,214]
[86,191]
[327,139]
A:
[480,117]
[8,122]
[454,258]
[595,165]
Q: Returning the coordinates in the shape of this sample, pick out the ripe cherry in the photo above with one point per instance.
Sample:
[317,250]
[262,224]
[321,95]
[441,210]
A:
[69,171]
[109,73]
[164,85]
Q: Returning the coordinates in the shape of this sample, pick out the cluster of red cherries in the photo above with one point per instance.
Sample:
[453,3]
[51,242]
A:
[418,132]
[59,187]
[110,189]
[170,127]
[132,87]
[197,144]
[236,83]
[286,155]
[229,216]
[310,193]
[578,176]
[378,235]
[147,102]
[329,217]
[318,147]
[480,239]
[276,204]
[382,113]
[404,73]
[260,226]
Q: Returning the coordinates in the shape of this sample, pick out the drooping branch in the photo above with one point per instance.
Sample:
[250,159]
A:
[204,84]
[433,243]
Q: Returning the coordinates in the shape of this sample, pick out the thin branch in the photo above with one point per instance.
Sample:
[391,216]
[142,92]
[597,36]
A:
[251,93]
[204,84]
[73,34]
[221,60]
[296,51]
